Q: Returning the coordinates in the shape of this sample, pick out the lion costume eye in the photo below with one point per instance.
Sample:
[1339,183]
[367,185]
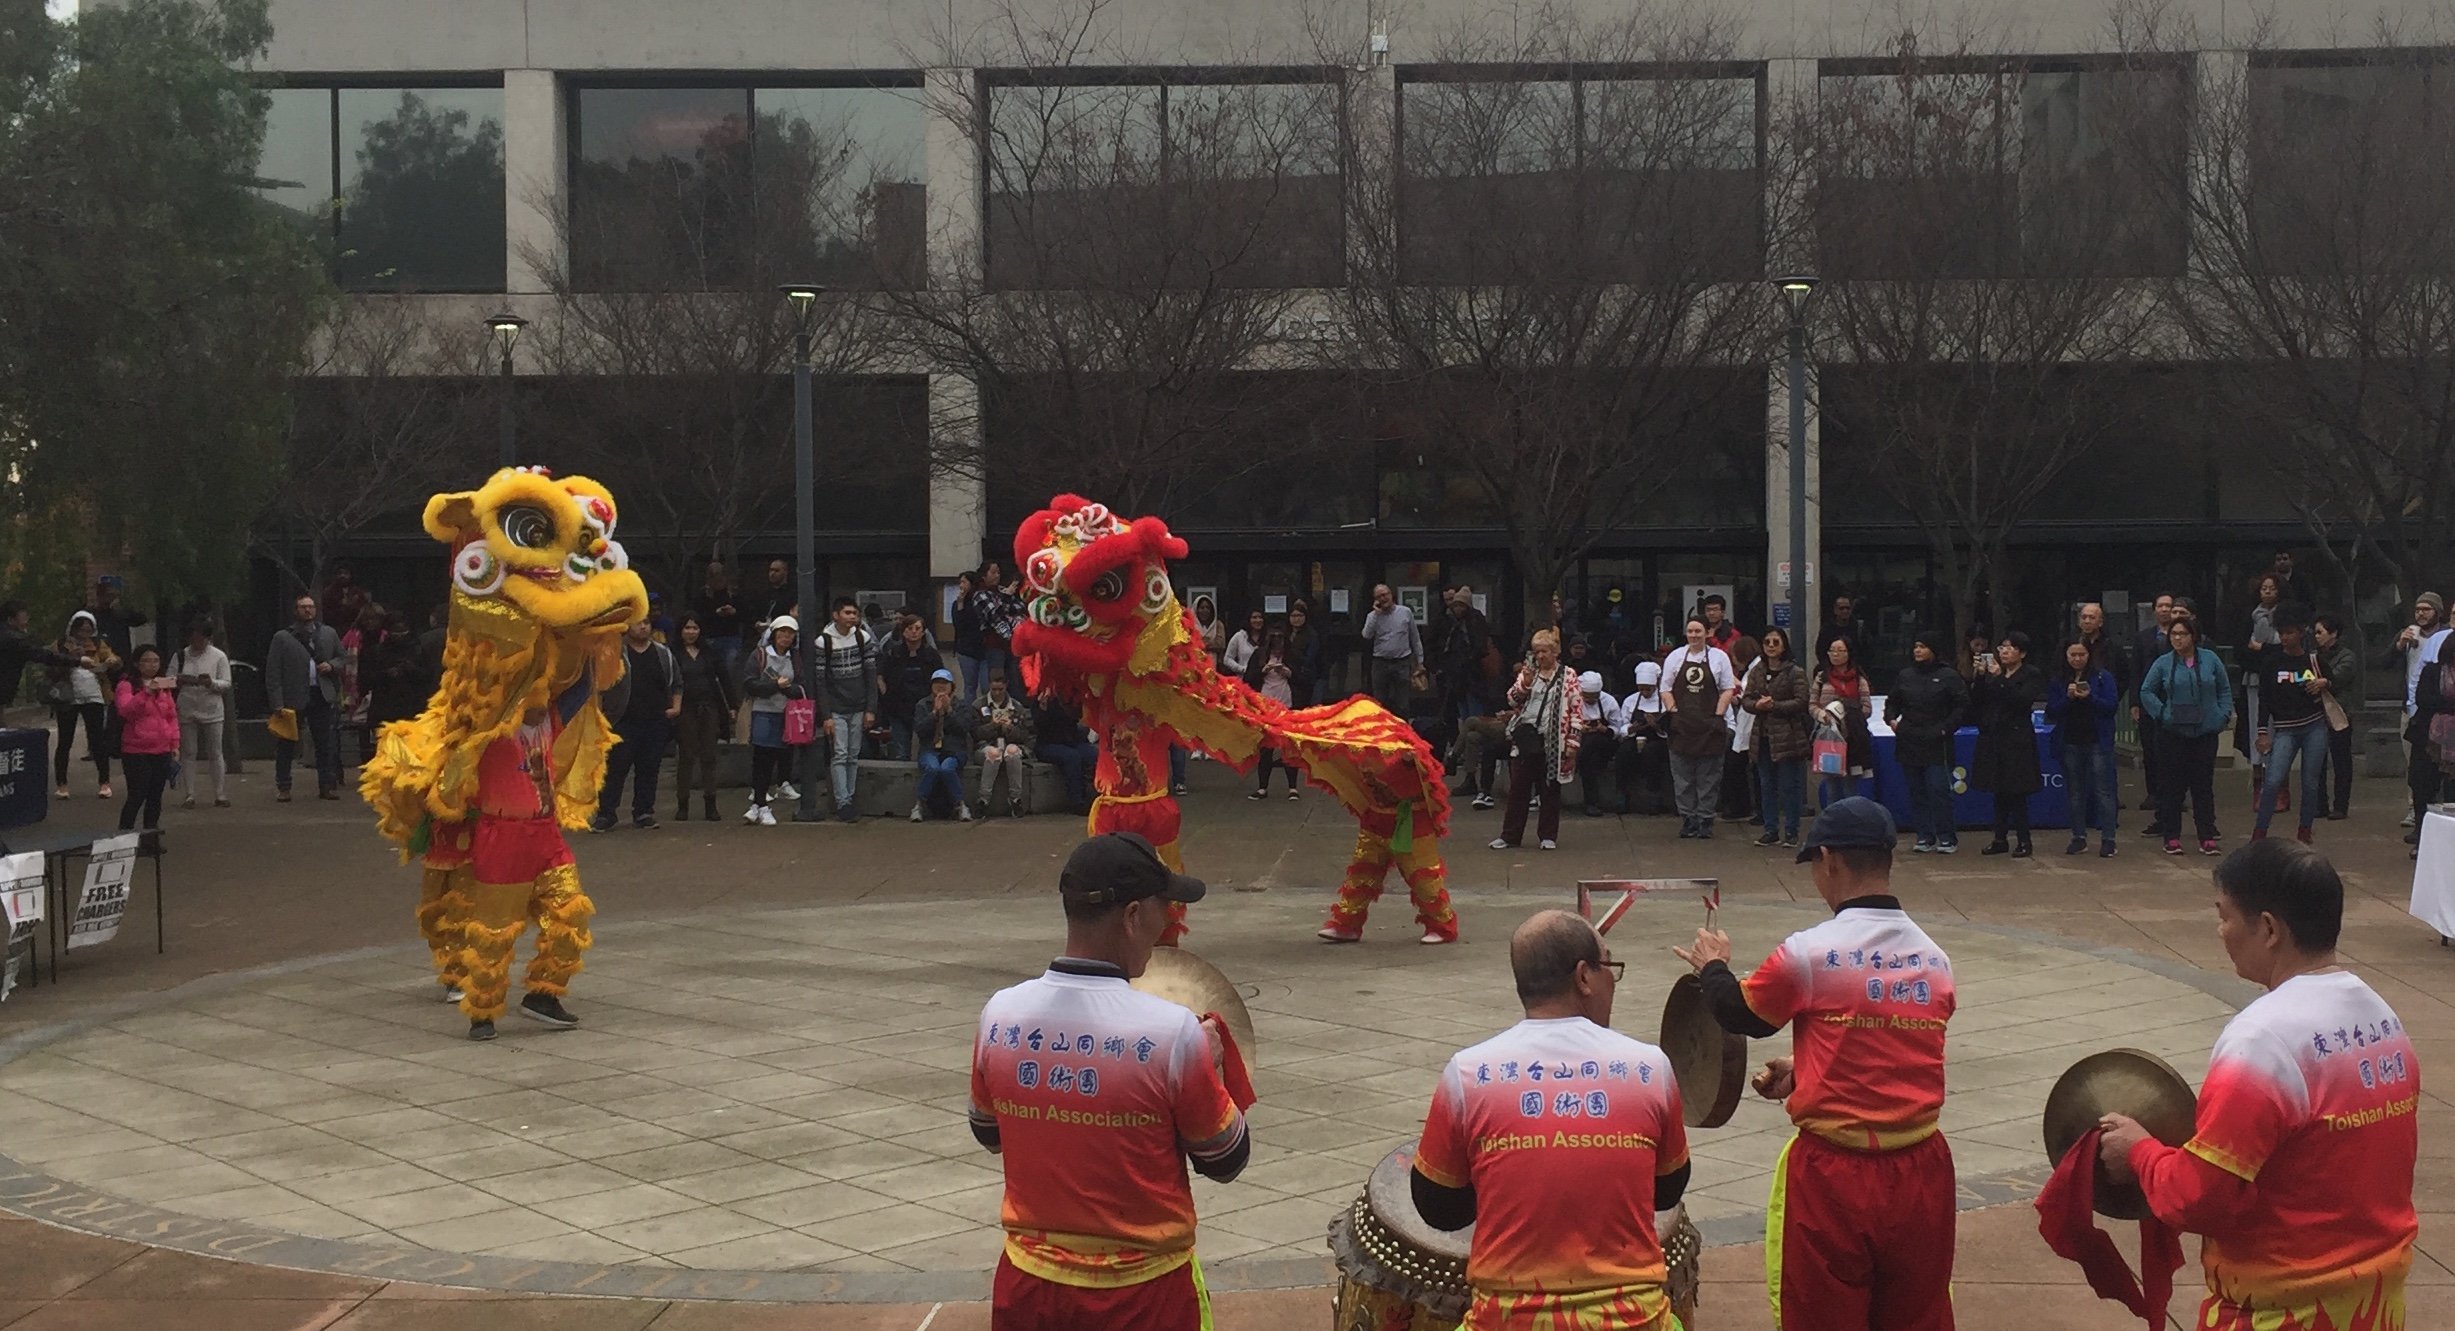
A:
[528,528]
[1109,587]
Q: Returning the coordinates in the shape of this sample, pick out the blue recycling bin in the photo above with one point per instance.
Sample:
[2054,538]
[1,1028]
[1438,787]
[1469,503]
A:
[2049,807]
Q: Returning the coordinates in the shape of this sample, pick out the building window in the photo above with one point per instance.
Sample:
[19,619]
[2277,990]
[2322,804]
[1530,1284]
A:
[1956,169]
[1608,174]
[1150,181]
[407,181]
[2347,162]
[695,188]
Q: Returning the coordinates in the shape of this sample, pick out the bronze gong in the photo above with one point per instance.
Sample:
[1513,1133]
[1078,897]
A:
[1709,1063]
[2119,1081]
[1185,979]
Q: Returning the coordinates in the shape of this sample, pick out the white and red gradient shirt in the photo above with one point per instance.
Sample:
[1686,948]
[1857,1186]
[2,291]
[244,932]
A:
[1098,1091]
[1866,994]
[2299,1170]
[1561,1127]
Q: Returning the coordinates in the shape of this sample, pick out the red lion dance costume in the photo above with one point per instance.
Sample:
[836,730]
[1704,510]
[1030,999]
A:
[511,749]
[1103,628]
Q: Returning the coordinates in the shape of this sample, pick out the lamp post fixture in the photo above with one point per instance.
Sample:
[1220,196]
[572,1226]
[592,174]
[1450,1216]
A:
[503,332]
[802,297]
[1798,290]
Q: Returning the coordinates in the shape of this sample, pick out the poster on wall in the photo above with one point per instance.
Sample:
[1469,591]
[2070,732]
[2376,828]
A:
[21,907]
[1274,605]
[888,604]
[1417,600]
[1338,600]
[1692,597]
[103,900]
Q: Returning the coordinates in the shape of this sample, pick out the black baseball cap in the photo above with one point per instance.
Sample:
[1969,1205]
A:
[1118,867]
[1857,823]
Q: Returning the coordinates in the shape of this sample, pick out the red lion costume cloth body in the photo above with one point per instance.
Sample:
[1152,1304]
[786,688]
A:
[1103,628]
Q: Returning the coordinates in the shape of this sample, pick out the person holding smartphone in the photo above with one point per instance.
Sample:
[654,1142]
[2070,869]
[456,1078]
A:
[201,672]
[148,705]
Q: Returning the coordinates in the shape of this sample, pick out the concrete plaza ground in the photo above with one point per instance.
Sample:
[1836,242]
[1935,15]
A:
[760,1122]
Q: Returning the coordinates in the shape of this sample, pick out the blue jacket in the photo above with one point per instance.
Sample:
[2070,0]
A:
[2169,691]
[2084,722]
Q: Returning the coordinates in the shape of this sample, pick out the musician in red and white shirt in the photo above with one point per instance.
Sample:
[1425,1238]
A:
[1557,1139]
[2299,1170]
[1859,1231]
[1098,1095]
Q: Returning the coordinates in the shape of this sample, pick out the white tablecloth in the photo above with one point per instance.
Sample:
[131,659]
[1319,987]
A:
[2433,875]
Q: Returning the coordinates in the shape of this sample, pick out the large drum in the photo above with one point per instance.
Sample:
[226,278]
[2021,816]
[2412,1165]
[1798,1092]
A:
[1397,1273]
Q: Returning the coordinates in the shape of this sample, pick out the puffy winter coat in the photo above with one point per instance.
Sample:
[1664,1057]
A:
[1776,691]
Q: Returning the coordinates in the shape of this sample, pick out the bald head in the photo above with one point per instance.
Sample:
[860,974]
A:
[1544,954]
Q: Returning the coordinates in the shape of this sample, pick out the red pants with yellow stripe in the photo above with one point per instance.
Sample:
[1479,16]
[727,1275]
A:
[1021,1301]
[1860,1240]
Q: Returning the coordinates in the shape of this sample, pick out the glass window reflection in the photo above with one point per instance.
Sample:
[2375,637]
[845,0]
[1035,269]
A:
[423,188]
[295,168]
[840,179]
[660,188]
[1212,183]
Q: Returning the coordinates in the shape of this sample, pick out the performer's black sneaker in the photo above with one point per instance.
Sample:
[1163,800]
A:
[548,1009]
[481,1030]
[452,995]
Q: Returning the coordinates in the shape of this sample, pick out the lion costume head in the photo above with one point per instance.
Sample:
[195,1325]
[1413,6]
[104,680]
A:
[541,592]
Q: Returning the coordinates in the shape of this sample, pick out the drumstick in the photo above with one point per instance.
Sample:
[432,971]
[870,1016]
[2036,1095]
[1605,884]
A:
[1629,890]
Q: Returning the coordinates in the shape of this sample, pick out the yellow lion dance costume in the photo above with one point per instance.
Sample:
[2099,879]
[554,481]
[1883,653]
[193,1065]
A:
[511,749]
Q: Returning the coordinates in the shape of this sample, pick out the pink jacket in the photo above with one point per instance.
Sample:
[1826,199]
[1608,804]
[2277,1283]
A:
[151,719]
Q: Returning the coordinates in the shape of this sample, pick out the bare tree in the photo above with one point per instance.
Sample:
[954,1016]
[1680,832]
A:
[2321,202]
[1146,234]
[1554,270]
[1979,236]
[385,415]
[669,352]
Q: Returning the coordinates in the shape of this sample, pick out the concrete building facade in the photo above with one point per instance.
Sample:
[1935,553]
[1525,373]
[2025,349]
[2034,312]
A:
[553,77]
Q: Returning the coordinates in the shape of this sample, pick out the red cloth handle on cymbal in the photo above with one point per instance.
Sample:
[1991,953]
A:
[2066,1217]
[1232,1064]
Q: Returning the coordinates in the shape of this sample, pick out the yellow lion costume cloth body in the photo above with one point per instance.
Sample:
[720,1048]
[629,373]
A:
[511,749]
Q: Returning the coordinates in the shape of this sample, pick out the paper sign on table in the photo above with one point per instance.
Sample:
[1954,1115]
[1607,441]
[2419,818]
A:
[103,900]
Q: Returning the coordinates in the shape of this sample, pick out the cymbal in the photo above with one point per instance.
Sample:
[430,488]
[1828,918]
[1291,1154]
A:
[1179,976]
[2130,1082]
[1709,1063]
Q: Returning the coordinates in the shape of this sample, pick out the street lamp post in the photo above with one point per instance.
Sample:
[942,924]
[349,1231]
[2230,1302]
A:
[503,330]
[803,298]
[1797,290]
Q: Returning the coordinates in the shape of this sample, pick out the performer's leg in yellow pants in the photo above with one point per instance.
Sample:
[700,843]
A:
[498,913]
[562,912]
[443,902]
